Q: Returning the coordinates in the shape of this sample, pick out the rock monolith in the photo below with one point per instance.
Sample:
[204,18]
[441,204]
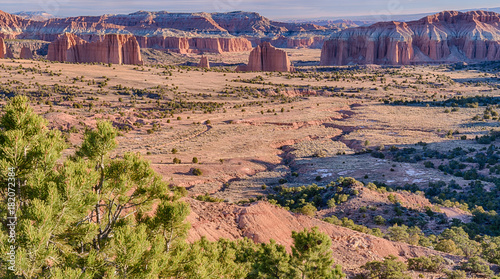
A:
[267,58]
[204,62]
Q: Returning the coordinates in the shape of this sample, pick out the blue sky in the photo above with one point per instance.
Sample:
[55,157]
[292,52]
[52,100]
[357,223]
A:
[278,9]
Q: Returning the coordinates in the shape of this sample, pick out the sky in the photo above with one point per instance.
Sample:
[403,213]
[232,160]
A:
[274,9]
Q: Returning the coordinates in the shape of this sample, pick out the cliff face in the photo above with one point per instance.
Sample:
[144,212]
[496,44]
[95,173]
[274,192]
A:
[286,42]
[64,48]
[443,37]
[116,49]
[150,24]
[3,48]
[267,58]
[179,32]
[196,45]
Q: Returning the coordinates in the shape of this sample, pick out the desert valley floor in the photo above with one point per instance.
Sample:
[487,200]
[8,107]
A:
[238,137]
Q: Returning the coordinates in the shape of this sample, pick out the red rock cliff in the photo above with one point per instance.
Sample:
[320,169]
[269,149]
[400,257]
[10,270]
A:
[196,45]
[443,37]
[267,58]
[3,48]
[180,32]
[113,48]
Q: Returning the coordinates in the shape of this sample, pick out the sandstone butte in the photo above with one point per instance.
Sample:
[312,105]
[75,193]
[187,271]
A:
[3,48]
[25,53]
[204,62]
[110,48]
[263,221]
[443,37]
[267,58]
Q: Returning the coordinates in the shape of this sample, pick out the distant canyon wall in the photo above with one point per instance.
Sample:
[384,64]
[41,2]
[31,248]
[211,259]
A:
[179,32]
[285,42]
[440,38]
[196,45]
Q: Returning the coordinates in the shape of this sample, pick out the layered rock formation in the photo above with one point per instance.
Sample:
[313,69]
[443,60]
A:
[204,62]
[181,32]
[196,45]
[249,23]
[267,58]
[12,26]
[113,48]
[3,48]
[25,53]
[287,42]
[443,37]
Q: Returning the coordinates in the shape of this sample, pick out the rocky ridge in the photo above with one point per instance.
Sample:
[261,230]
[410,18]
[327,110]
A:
[262,222]
[181,32]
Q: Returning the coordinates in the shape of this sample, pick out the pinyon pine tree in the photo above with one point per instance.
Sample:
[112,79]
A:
[80,216]
[96,214]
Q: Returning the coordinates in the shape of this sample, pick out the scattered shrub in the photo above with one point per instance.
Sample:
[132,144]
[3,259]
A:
[433,263]
[308,210]
[390,268]
[379,220]
[455,274]
[208,198]
[478,266]
[331,203]
[197,172]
